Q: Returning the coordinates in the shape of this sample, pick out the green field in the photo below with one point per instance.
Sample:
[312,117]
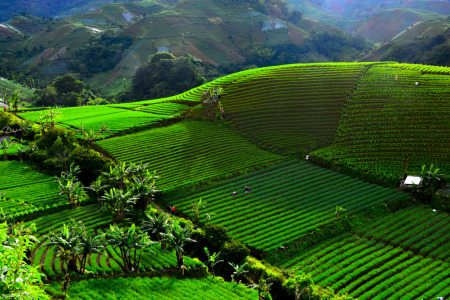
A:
[189,152]
[286,202]
[391,126]
[27,191]
[107,262]
[116,119]
[401,256]
[155,288]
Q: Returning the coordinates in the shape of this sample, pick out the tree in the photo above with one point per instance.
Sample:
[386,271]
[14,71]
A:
[91,136]
[67,240]
[212,260]
[175,238]
[14,100]
[116,202]
[18,280]
[164,76]
[196,206]
[263,289]
[131,243]
[97,187]
[431,182]
[144,188]
[238,271]
[4,146]
[89,243]
[154,226]
[70,186]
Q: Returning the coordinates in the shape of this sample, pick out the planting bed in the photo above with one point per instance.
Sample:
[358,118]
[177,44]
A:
[392,126]
[286,202]
[27,191]
[188,152]
[155,288]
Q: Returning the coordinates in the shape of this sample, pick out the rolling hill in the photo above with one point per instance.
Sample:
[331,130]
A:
[372,121]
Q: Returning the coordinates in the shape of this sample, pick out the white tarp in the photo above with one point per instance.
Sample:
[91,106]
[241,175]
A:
[410,180]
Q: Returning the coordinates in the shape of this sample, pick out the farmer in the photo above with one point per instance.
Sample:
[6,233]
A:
[169,208]
[233,193]
[247,189]
[4,108]
[173,210]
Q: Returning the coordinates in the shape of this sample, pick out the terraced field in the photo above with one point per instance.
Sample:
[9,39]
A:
[155,288]
[115,119]
[286,202]
[302,103]
[395,125]
[401,256]
[189,152]
[27,191]
[109,261]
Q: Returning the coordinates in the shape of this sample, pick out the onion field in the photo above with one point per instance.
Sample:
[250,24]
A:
[302,103]
[116,119]
[396,121]
[189,152]
[27,191]
[401,256]
[158,288]
[286,202]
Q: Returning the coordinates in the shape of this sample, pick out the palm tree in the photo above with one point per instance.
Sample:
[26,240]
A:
[154,226]
[67,239]
[144,188]
[431,181]
[116,202]
[196,206]
[89,244]
[238,271]
[176,237]
[212,260]
[97,186]
[70,186]
[131,244]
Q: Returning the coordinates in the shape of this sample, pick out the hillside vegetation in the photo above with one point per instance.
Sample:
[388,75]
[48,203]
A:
[268,162]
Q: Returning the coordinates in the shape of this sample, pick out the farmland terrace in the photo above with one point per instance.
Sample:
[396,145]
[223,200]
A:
[302,137]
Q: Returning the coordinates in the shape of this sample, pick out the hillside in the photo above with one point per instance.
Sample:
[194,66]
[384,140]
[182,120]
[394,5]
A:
[299,163]
[120,37]
[427,42]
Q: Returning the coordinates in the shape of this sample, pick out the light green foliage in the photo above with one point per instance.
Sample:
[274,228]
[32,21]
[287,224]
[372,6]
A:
[93,117]
[391,127]
[286,202]
[175,238]
[131,243]
[188,152]
[156,288]
[401,255]
[18,280]
[71,187]
[27,191]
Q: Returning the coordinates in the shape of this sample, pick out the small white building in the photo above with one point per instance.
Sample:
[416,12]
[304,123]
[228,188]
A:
[410,181]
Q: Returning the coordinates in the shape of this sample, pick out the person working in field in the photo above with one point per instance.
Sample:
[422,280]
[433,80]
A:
[246,189]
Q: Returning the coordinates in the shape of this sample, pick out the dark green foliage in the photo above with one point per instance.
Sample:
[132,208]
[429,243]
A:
[163,77]
[297,284]
[232,251]
[431,51]
[90,162]
[65,90]
[101,55]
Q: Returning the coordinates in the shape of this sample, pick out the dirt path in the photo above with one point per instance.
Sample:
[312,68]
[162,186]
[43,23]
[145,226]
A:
[157,206]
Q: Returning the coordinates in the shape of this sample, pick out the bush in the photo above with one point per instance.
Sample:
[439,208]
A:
[90,162]
[232,251]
